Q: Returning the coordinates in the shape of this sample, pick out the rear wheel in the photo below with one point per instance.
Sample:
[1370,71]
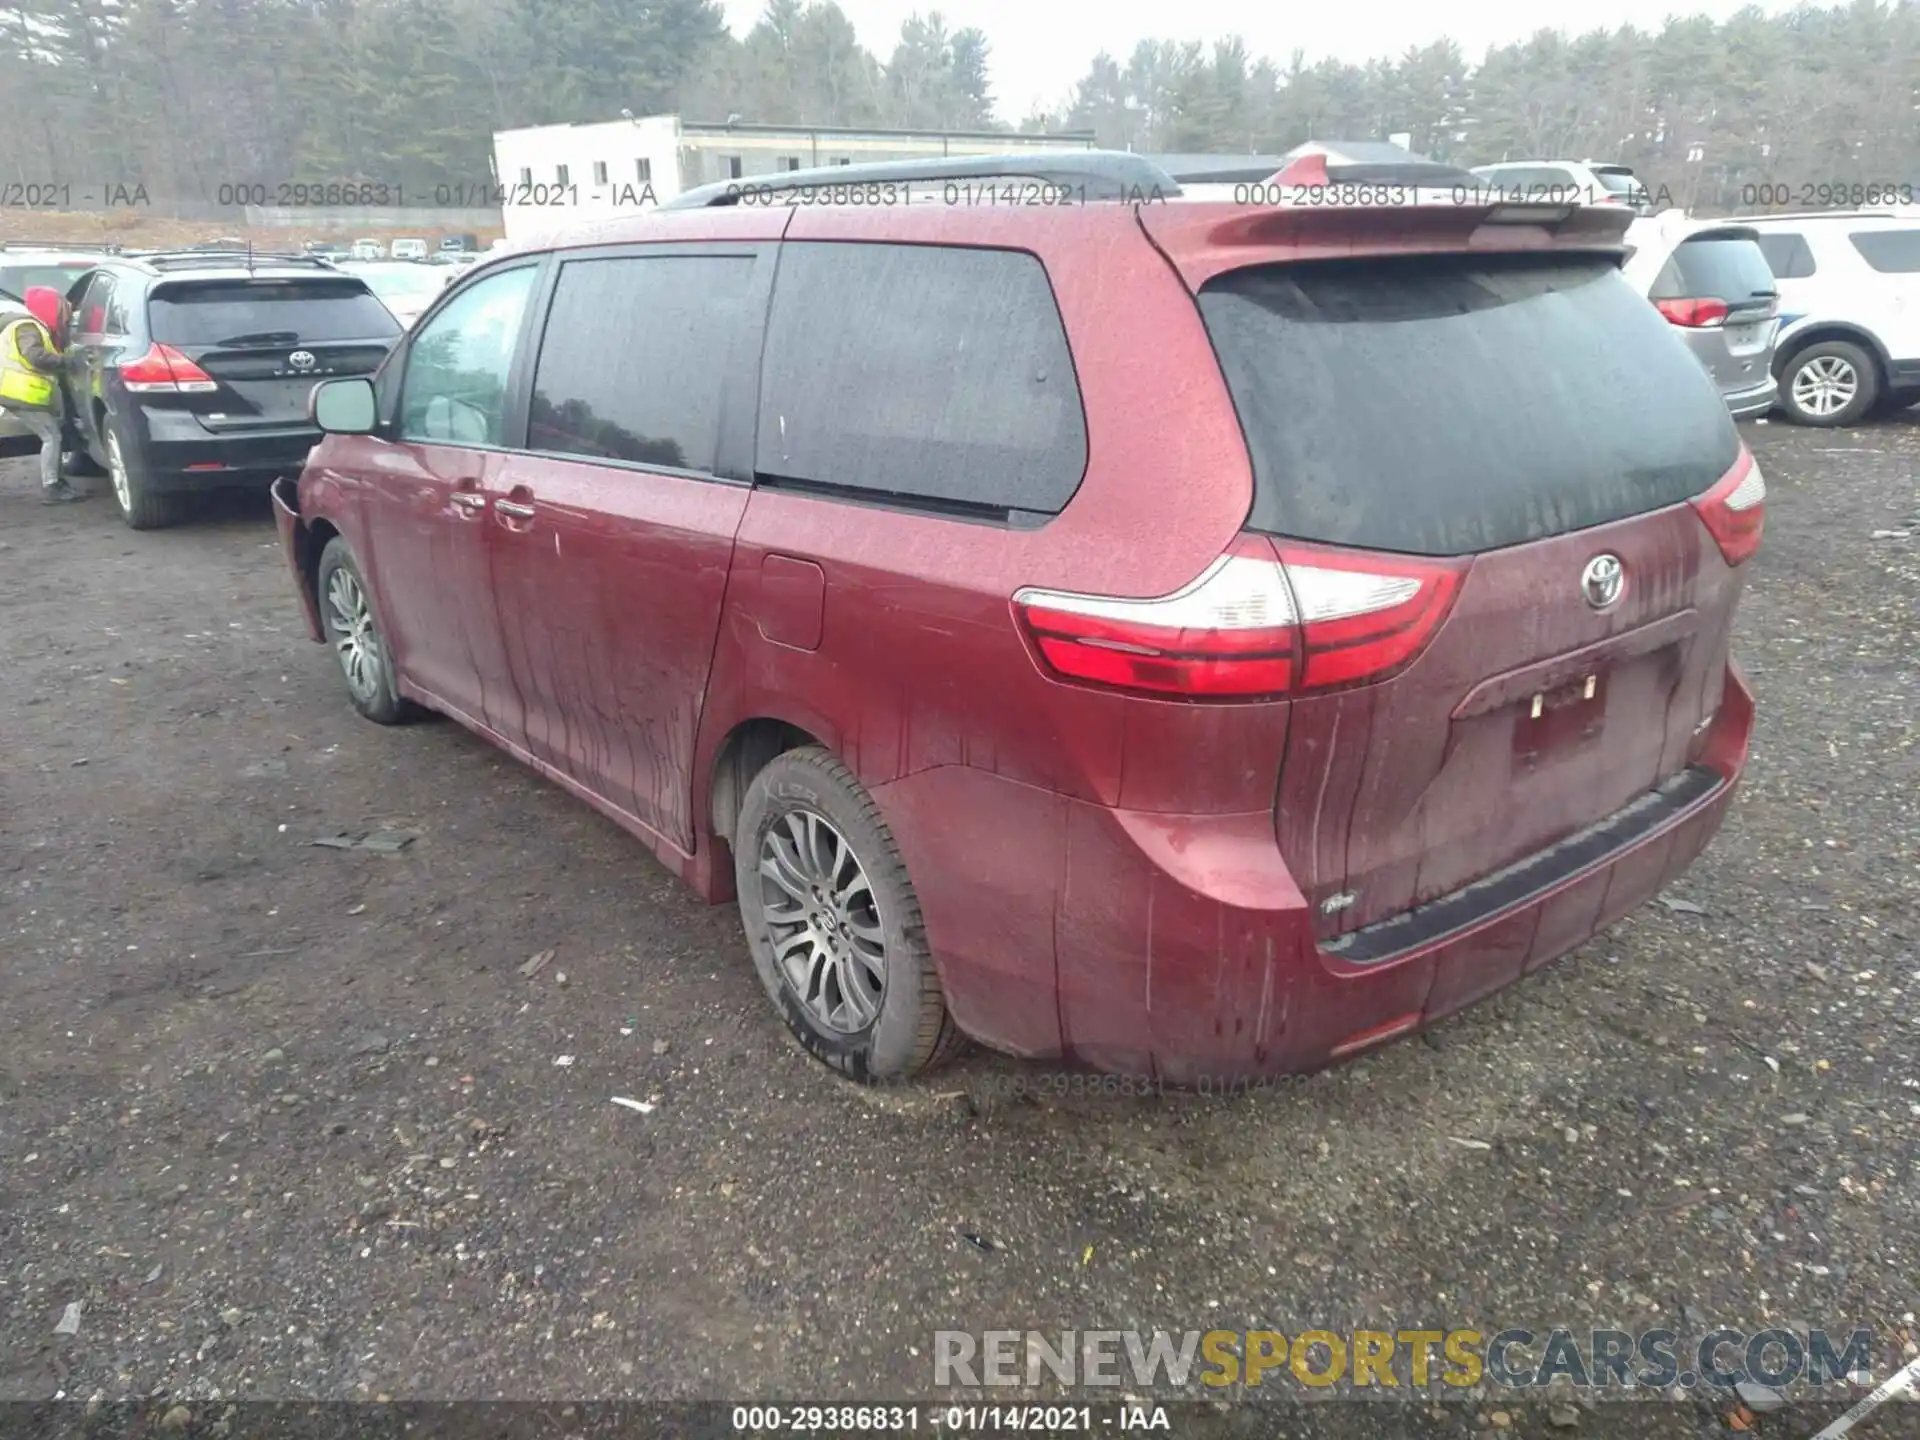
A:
[834,924]
[140,506]
[1831,383]
[353,630]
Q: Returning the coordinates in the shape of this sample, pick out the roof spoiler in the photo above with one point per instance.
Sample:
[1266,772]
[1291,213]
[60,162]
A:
[1368,163]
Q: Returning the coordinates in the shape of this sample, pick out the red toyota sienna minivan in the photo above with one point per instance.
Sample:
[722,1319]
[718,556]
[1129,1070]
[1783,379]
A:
[1193,639]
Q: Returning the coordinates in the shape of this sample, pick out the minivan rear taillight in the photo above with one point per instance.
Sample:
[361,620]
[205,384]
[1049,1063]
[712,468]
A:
[1364,617]
[1260,623]
[165,369]
[1735,509]
[1693,314]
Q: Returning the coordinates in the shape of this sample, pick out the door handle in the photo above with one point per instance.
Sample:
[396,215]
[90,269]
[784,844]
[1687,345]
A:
[513,508]
[468,499]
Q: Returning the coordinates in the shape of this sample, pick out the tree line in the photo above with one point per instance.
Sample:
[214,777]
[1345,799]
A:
[183,97]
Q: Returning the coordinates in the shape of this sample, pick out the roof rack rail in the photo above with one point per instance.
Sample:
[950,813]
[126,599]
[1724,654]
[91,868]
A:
[1091,174]
[1862,213]
[106,247]
[226,259]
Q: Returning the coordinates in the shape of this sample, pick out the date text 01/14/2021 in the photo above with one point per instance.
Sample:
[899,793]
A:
[948,1419]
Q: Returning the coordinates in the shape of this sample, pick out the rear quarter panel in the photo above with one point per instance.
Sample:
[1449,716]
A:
[922,681]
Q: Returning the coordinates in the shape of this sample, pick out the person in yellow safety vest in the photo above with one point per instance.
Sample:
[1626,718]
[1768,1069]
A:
[31,363]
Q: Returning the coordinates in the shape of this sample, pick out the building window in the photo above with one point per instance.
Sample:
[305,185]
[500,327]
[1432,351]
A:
[526,177]
[843,160]
[560,175]
[789,162]
[599,172]
[644,168]
[733,167]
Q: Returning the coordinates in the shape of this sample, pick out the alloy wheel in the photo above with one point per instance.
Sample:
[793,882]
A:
[823,921]
[1825,385]
[356,641]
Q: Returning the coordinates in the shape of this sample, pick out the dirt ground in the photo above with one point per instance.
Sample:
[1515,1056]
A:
[290,1122]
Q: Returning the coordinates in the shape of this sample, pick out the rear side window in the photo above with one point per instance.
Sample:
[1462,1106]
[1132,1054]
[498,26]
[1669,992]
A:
[1441,406]
[221,311]
[634,359]
[1726,268]
[1788,256]
[931,375]
[1891,252]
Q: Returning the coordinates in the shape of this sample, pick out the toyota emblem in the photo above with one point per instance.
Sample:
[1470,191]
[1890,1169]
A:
[1602,581]
[302,360]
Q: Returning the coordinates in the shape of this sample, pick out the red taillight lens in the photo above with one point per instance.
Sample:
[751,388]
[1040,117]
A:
[1365,617]
[1692,313]
[164,368]
[1735,510]
[1260,623]
[1228,635]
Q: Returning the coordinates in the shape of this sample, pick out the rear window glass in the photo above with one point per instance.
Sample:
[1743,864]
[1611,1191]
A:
[309,310]
[1892,252]
[927,374]
[1725,268]
[1441,406]
[1617,182]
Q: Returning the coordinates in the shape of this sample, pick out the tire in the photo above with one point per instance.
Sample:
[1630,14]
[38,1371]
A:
[871,1022]
[347,615]
[1829,384]
[140,506]
[1894,401]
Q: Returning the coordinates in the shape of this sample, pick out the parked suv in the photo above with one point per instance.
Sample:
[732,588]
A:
[1849,311]
[1584,182]
[1712,283]
[1209,685]
[194,369]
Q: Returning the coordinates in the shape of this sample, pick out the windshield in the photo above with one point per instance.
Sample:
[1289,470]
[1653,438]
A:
[1529,397]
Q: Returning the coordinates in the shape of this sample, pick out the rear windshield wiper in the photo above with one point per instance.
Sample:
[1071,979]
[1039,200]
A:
[263,337]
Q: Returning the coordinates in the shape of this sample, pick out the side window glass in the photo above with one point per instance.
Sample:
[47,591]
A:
[1891,252]
[934,374]
[454,391]
[634,356]
[1788,255]
[90,315]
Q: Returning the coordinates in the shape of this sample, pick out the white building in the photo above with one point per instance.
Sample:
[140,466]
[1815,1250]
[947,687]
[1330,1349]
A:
[552,175]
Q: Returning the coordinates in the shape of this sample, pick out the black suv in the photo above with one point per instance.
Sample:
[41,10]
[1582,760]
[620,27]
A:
[196,367]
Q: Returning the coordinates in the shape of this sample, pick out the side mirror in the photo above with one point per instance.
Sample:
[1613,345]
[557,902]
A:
[345,406]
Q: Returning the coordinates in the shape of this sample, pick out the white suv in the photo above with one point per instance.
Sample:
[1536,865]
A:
[1849,311]
[1568,182]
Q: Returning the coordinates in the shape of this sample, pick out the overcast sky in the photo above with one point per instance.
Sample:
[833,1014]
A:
[1041,47]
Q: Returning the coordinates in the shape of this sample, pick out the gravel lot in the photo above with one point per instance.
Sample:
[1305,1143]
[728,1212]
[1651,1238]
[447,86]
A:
[291,1122]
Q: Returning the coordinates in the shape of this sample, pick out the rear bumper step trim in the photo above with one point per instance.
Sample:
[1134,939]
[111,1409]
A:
[1526,880]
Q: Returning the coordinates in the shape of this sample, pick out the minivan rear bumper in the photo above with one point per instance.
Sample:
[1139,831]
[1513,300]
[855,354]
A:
[1745,404]
[1183,951]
